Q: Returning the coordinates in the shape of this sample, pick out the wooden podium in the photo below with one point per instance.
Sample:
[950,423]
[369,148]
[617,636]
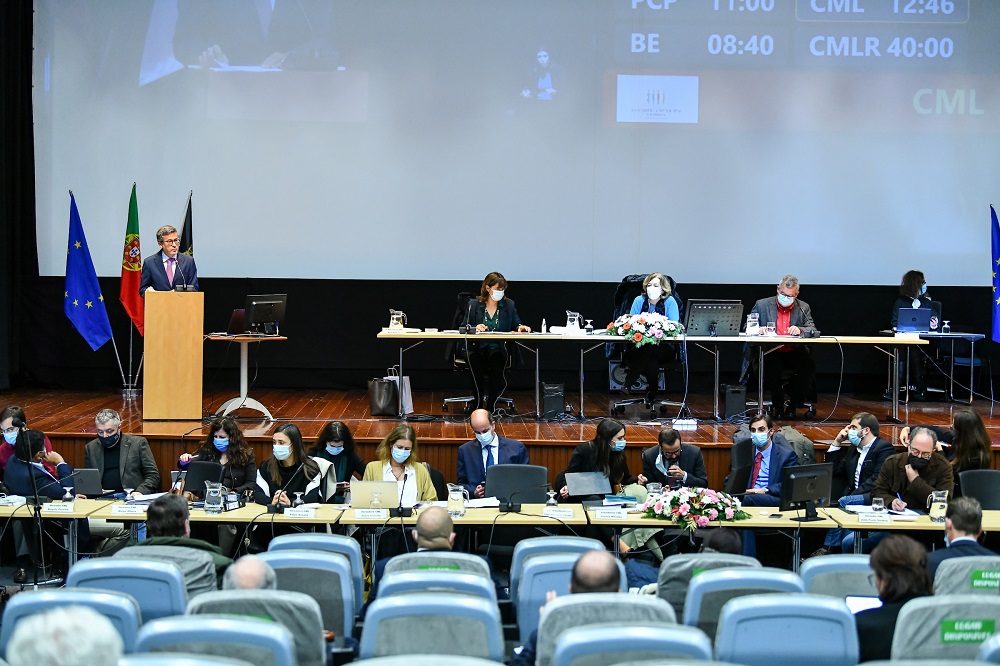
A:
[172,379]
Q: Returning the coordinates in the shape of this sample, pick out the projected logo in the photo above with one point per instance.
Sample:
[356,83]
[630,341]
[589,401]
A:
[657,99]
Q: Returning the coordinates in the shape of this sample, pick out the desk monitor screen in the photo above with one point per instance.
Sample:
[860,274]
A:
[713,317]
[265,310]
[806,487]
[363,491]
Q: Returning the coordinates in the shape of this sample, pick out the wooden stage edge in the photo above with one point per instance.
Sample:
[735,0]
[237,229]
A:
[67,417]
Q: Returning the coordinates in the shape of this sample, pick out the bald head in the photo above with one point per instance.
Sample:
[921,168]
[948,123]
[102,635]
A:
[249,573]
[595,571]
[434,529]
[481,420]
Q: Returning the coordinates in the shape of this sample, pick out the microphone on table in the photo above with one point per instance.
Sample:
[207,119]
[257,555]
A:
[508,505]
[401,511]
[468,327]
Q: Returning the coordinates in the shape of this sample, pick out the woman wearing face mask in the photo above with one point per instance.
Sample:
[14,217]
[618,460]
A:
[397,461]
[606,454]
[225,444]
[335,445]
[912,294]
[492,312]
[656,297]
[288,471]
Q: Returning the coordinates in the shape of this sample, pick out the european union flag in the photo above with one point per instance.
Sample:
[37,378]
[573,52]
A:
[83,302]
[996,267]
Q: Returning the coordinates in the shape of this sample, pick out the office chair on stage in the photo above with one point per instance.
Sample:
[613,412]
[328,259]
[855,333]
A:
[671,359]
[457,354]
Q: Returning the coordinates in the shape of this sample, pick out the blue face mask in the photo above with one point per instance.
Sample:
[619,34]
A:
[485,437]
[785,301]
[334,450]
[10,437]
[923,289]
[855,437]
[618,446]
[400,455]
[759,439]
[221,444]
[281,451]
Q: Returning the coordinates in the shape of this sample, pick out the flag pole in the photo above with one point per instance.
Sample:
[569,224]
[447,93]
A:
[120,369]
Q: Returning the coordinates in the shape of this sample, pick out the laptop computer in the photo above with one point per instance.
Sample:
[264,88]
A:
[739,480]
[362,491]
[88,482]
[587,483]
[914,320]
[237,322]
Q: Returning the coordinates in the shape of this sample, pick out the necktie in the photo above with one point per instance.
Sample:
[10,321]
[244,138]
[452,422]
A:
[170,270]
[756,469]
[489,457]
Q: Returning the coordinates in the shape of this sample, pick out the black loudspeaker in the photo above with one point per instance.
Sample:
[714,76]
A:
[616,378]
[734,397]
[553,400]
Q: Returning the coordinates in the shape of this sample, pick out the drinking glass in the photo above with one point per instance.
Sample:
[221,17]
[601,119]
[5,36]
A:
[654,488]
[878,504]
[771,328]
[298,500]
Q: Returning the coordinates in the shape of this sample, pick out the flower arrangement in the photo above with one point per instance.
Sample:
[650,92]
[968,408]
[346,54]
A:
[645,329]
[694,507]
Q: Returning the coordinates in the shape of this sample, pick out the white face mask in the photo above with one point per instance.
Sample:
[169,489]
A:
[653,292]
[497,294]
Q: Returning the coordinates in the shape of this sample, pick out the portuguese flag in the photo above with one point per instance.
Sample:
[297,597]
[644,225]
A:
[132,266]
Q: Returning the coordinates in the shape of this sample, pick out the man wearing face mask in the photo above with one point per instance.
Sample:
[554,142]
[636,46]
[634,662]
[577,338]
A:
[124,461]
[857,454]
[12,421]
[656,297]
[791,316]
[772,454]
[486,450]
[491,312]
[673,463]
[907,479]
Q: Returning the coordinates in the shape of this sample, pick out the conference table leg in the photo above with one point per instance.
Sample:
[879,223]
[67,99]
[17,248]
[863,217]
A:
[244,401]
[538,380]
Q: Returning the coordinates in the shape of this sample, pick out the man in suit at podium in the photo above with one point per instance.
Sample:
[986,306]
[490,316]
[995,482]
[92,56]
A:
[168,268]
[488,448]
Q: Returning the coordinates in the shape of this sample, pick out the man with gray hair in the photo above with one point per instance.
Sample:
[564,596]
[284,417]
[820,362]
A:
[68,636]
[168,268]
[963,523]
[249,573]
[124,461]
[793,317]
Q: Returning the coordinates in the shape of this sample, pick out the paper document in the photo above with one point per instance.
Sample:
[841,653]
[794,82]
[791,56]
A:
[904,515]
[483,503]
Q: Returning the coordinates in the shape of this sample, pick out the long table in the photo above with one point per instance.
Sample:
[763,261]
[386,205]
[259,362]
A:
[82,509]
[589,343]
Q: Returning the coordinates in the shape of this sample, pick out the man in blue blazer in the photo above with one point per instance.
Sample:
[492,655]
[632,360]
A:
[167,269]
[486,449]
[771,456]
[963,523]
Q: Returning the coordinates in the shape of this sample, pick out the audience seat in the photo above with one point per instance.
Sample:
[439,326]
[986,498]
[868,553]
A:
[676,572]
[331,543]
[178,659]
[926,627]
[710,591]
[259,642]
[301,570]
[838,576]
[548,544]
[604,642]
[430,560]
[787,630]
[968,575]
[197,566]
[409,582]
[158,587]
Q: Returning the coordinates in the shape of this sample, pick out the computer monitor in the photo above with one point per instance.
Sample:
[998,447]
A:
[713,317]
[806,486]
[264,311]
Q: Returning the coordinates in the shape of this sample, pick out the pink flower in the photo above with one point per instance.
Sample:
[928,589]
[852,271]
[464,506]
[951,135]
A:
[684,509]
[658,333]
[658,507]
[729,514]
[713,514]
[701,521]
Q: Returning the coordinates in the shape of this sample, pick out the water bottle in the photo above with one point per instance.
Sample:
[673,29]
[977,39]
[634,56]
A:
[545,329]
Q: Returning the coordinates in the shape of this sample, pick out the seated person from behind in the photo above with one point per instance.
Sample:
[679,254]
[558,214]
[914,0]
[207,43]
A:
[963,525]
[486,450]
[65,636]
[900,566]
[673,463]
[250,573]
[595,571]
[491,311]
[791,316]
[645,360]
[168,523]
[772,454]
[857,454]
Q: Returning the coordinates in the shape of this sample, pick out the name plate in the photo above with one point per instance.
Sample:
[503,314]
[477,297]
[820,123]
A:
[371,514]
[128,510]
[874,519]
[57,507]
[300,512]
[556,512]
[610,514]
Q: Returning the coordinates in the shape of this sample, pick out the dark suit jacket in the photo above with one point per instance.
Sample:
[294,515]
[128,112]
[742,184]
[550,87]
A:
[957,549]
[18,479]
[136,464]
[875,629]
[509,318]
[801,316]
[892,481]
[691,461]
[471,471]
[781,457]
[845,464]
[155,276]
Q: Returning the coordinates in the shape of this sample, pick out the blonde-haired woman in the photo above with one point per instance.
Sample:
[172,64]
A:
[397,461]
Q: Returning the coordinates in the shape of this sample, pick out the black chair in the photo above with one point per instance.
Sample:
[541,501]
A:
[520,484]
[984,485]
[626,292]
[457,354]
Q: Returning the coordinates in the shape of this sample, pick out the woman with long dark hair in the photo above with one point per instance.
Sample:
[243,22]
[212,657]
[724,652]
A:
[287,471]
[335,445]
[913,294]
[606,454]
[226,445]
